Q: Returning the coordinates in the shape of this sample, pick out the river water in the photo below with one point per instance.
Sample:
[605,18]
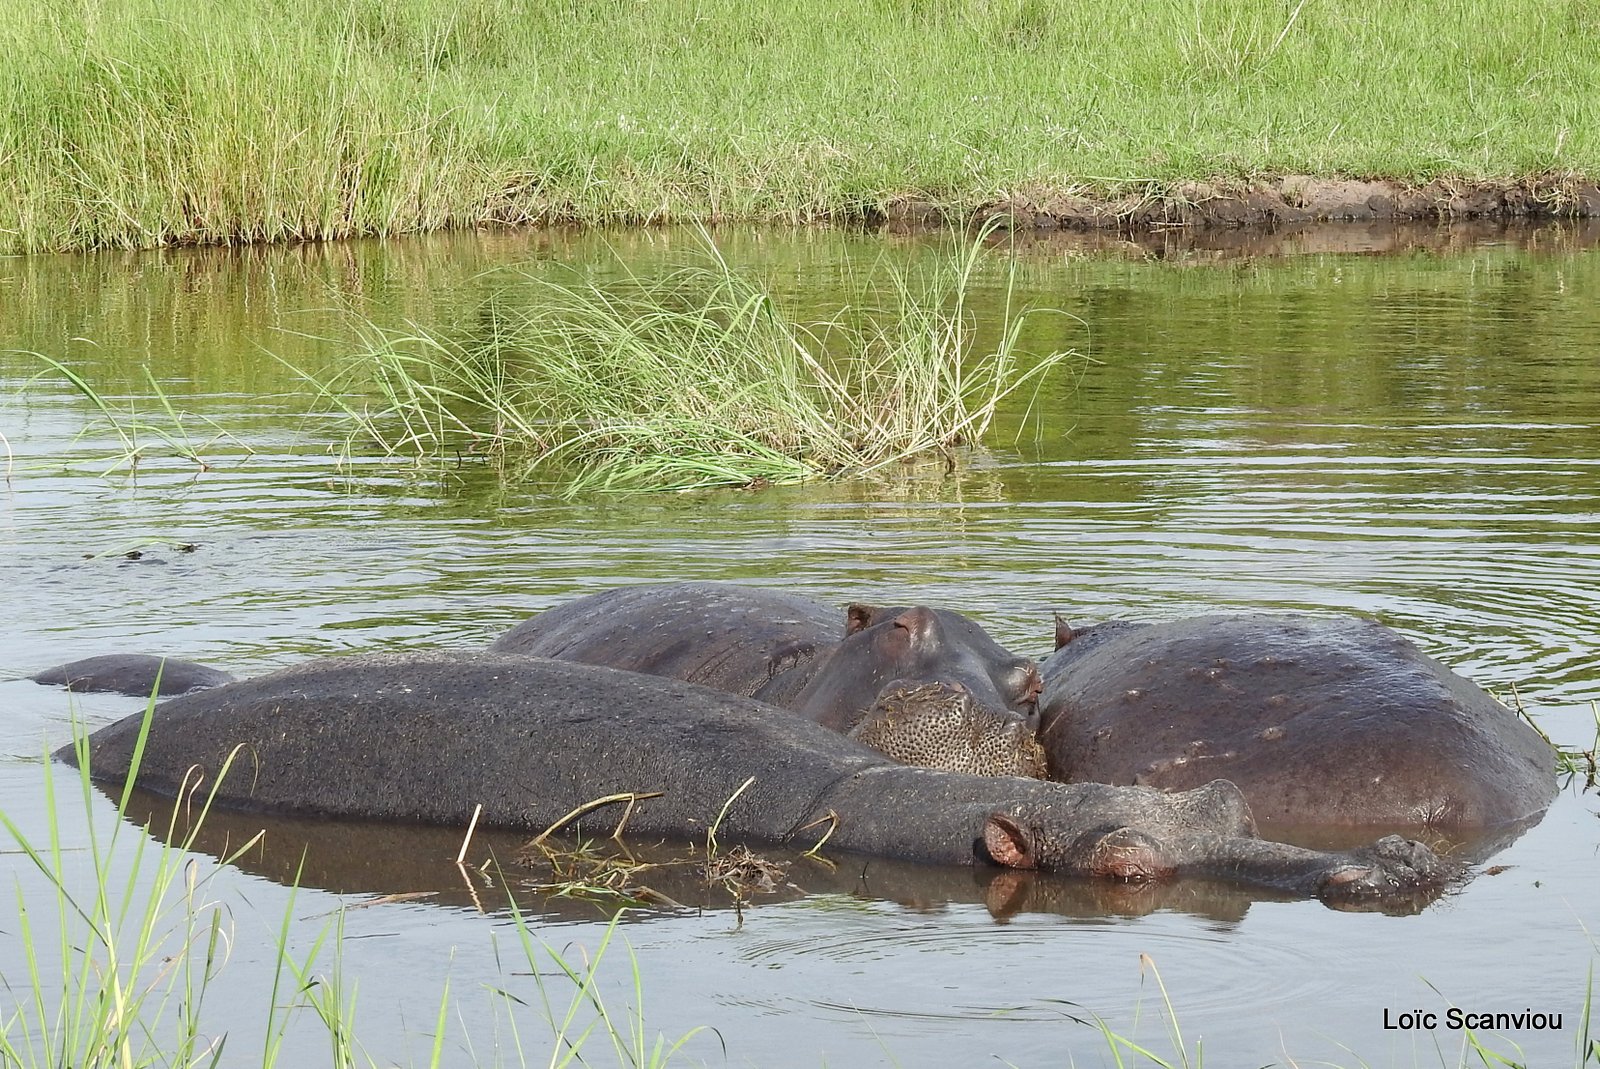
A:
[1401,424]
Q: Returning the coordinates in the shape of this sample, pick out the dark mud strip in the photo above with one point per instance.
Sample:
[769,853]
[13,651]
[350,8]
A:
[1266,204]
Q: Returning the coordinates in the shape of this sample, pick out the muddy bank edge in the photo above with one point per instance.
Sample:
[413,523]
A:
[1268,203]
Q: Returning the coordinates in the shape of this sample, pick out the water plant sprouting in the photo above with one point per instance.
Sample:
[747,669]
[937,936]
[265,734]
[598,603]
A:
[695,378]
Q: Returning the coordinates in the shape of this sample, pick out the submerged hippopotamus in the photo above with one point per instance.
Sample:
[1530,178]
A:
[1320,722]
[134,674]
[424,738]
[912,681]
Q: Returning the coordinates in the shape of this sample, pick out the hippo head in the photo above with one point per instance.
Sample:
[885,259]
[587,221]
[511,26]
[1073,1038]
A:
[1130,830]
[940,725]
[917,645]
[1211,835]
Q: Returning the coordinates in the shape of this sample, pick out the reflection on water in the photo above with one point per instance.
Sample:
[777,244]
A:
[1311,426]
[375,859]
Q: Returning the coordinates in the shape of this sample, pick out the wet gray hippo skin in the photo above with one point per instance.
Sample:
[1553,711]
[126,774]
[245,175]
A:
[134,674]
[423,738]
[1320,722]
[886,647]
[740,640]
[786,650]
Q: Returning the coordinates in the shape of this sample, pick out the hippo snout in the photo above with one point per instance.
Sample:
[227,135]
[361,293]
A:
[1391,864]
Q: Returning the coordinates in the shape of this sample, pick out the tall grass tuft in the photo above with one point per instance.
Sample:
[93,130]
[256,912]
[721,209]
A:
[697,378]
[120,978]
[115,975]
[136,432]
[586,1013]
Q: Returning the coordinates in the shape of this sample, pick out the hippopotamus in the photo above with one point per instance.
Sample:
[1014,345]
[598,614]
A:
[1322,723]
[793,653]
[134,674]
[424,738]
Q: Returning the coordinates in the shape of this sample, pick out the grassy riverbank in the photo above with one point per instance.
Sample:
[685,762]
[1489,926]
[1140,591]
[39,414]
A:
[142,122]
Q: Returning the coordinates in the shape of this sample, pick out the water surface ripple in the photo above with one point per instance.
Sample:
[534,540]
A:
[1413,437]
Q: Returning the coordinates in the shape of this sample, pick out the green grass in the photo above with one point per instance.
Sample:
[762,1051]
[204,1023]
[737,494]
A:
[120,948]
[138,435]
[696,378]
[133,946]
[1575,761]
[144,122]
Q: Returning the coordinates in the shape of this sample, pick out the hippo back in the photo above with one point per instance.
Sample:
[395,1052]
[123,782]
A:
[736,639]
[134,674]
[1321,722]
[424,738]
[427,738]
[785,650]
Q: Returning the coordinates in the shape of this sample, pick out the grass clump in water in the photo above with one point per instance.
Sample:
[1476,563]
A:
[698,378]
[1576,762]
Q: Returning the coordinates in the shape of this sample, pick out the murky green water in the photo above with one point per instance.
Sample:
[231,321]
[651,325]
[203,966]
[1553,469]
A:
[1411,433]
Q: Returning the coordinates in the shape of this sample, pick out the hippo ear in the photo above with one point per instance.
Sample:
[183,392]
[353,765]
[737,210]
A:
[1064,632]
[1009,843]
[858,617]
